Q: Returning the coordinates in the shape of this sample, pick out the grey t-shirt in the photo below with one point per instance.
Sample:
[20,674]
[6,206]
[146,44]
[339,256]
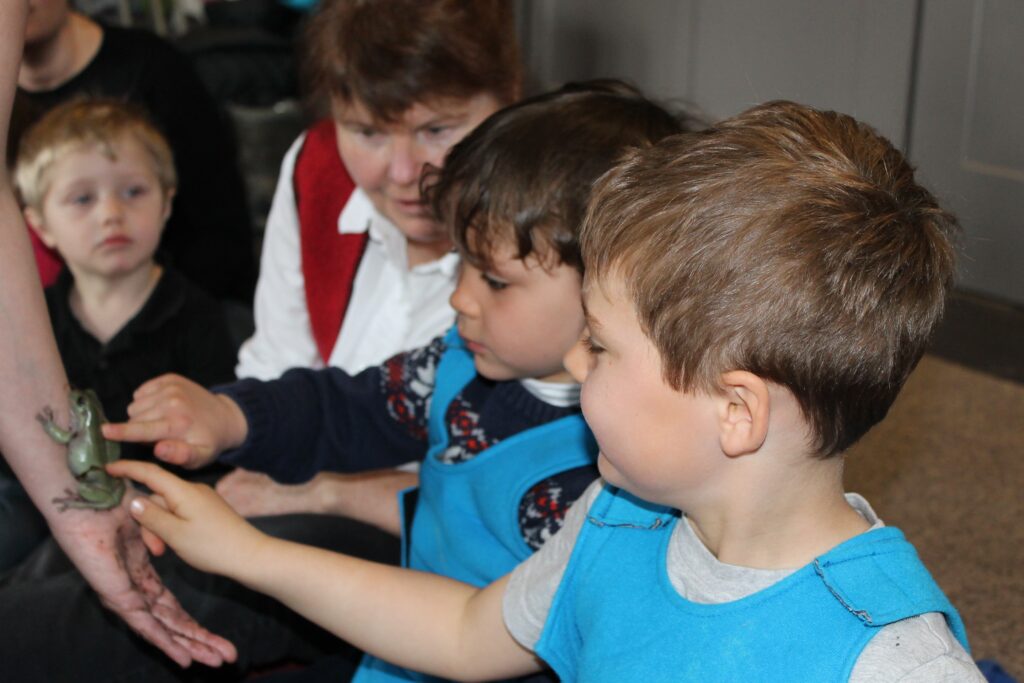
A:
[921,649]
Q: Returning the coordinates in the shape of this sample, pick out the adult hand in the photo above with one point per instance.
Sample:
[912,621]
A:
[108,550]
[191,518]
[105,546]
[188,424]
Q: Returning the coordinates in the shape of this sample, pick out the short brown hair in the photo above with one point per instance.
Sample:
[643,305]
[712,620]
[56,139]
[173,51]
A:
[789,242]
[524,176]
[79,122]
[392,54]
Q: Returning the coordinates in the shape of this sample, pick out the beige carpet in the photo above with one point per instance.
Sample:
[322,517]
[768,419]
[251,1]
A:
[947,467]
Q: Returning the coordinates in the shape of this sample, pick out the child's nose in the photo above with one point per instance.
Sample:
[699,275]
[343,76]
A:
[461,299]
[577,361]
[111,208]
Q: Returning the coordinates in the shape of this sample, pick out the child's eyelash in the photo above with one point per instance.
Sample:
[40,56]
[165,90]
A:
[493,283]
[591,346]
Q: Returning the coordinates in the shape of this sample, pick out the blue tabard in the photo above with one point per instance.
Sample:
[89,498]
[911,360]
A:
[616,616]
[466,521]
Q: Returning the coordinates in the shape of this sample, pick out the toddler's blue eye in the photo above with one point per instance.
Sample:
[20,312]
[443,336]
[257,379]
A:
[81,199]
[136,191]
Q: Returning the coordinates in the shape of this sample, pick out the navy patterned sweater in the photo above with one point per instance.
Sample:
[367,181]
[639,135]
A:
[310,421]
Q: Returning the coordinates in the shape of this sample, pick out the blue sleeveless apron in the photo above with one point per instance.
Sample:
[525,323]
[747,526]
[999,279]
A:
[465,524]
[617,617]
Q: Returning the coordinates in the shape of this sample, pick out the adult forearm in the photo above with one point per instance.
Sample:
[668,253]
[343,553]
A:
[31,375]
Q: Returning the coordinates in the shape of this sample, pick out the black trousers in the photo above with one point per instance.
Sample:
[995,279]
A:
[53,627]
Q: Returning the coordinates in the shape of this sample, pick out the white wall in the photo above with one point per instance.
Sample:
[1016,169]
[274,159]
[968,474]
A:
[942,79]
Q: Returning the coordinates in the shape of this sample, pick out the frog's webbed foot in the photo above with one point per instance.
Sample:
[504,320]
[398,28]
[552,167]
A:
[45,416]
[67,501]
[75,501]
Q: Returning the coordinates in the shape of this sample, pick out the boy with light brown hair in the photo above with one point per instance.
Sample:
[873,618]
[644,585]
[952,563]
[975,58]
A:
[97,180]
[756,295]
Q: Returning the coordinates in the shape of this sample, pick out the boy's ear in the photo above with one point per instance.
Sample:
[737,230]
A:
[744,410]
[168,201]
[35,221]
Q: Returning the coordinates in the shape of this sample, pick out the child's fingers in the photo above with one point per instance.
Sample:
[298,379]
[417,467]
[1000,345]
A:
[154,518]
[154,543]
[175,452]
[146,407]
[169,487]
[170,490]
[154,385]
[146,431]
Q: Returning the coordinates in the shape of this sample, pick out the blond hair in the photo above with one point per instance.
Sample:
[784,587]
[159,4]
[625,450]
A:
[788,242]
[85,122]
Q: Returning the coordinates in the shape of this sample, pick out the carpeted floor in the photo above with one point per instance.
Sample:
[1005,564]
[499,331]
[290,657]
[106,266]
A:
[947,467]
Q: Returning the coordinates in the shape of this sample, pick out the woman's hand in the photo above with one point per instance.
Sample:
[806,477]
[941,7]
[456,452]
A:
[191,518]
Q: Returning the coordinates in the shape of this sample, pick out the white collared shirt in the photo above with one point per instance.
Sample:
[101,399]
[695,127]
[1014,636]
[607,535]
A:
[393,307]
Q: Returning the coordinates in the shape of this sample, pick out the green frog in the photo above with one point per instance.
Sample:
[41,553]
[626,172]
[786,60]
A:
[88,452]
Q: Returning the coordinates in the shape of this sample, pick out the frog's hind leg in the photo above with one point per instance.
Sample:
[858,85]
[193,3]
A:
[70,500]
[94,496]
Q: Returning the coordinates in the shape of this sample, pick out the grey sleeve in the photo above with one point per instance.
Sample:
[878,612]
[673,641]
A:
[921,649]
[533,584]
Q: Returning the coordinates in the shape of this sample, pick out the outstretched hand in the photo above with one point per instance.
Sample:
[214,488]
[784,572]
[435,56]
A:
[188,424]
[191,518]
[108,550]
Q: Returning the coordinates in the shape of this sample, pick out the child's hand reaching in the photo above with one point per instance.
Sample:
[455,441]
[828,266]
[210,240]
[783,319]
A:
[191,518]
[189,425]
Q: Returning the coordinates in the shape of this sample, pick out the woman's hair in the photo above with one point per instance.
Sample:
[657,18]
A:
[391,54]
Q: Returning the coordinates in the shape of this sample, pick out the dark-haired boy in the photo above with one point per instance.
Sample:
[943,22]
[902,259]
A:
[756,295]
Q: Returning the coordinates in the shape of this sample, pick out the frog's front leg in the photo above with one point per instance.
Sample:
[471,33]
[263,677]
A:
[113,451]
[45,418]
[97,490]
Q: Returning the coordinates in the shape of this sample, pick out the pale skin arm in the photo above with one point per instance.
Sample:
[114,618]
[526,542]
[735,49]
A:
[421,621]
[368,497]
[105,546]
